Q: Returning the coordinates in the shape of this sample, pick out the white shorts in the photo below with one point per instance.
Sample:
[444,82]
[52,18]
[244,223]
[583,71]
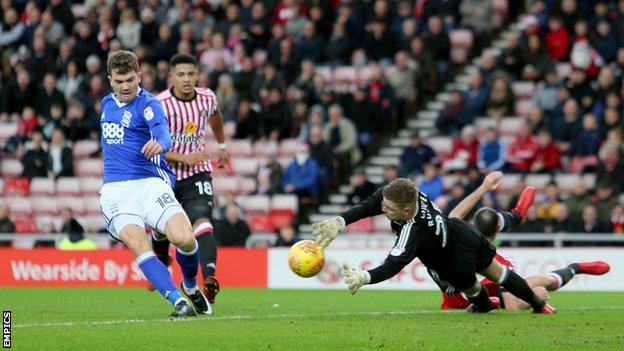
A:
[147,201]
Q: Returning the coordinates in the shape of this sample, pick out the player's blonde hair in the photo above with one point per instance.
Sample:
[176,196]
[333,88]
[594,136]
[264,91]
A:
[122,62]
[401,191]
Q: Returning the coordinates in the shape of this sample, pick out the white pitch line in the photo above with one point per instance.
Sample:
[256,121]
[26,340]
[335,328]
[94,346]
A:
[271,316]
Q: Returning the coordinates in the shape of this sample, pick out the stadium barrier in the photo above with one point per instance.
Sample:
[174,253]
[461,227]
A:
[269,268]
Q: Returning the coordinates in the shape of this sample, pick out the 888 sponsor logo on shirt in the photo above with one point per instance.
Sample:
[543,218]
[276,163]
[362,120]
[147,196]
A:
[113,133]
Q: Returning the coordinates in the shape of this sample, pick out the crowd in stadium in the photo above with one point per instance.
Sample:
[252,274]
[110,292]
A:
[274,66]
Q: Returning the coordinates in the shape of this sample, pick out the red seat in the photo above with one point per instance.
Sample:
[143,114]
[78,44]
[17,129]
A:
[68,186]
[288,147]
[17,186]
[240,147]
[19,205]
[25,225]
[44,205]
[11,167]
[244,165]
[91,185]
[92,205]
[246,185]
[281,218]
[89,167]
[363,225]
[84,148]
[254,203]
[76,204]
[260,223]
[223,184]
[285,202]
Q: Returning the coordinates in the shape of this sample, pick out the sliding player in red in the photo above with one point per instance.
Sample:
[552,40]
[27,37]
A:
[490,223]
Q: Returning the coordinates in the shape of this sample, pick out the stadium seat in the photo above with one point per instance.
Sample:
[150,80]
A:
[76,204]
[365,74]
[344,73]
[262,148]
[590,180]
[364,225]
[441,145]
[285,202]
[7,130]
[91,185]
[45,221]
[229,129]
[11,168]
[44,205]
[285,161]
[566,181]
[563,69]
[19,205]
[538,181]
[325,72]
[461,43]
[254,204]
[68,186]
[92,205]
[381,224]
[42,186]
[240,147]
[24,225]
[89,167]
[260,223]
[222,184]
[523,89]
[509,181]
[523,107]
[16,186]
[510,125]
[92,224]
[84,148]
[281,218]
[1,186]
[288,147]
[246,185]
[244,165]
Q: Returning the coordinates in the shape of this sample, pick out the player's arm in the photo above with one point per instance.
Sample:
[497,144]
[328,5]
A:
[400,256]
[490,183]
[324,232]
[216,124]
[157,122]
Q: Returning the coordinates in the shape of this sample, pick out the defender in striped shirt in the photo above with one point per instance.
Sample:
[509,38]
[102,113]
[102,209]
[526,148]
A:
[490,223]
[190,110]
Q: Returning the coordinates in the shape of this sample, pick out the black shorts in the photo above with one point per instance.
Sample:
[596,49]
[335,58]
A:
[468,253]
[195,195]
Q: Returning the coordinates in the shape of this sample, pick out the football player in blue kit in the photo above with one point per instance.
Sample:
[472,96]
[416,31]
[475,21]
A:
[137,188]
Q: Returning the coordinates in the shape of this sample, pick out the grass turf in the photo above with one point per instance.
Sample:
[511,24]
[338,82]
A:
[259,319]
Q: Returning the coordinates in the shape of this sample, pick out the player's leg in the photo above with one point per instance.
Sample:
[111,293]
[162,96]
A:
[207,256]
[513,303]
[132,234]
[561,277]
[516,285]
[160,245]
[478,295]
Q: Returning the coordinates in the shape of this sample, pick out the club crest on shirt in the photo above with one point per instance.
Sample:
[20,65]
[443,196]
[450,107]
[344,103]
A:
[148,113]
[125,119]
[190,127]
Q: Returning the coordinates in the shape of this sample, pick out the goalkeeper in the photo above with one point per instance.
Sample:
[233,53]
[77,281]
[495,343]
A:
[453,250]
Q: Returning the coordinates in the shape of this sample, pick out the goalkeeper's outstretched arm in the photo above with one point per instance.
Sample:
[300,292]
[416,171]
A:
[490,183]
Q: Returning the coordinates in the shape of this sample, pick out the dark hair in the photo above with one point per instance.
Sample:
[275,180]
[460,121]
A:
[182,59]
[122,62]
[402,191]
[486,220]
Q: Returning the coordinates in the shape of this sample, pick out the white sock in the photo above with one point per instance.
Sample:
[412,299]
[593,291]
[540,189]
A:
[189,291]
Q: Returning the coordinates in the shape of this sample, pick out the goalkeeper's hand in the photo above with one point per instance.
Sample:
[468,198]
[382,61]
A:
[354,278]
[324,232]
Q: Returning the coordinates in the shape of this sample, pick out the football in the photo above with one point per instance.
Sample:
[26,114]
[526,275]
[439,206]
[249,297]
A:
[306,258]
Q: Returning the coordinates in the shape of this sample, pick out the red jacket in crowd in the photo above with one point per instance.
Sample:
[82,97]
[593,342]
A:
[558,42]
[548,157]
[459,147]
[521,153]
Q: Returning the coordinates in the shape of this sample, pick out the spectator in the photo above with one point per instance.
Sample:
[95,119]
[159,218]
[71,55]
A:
[492,152]
[310,45]
[286,237]
[6,225]
[465,151]
[382,95]
[341,135]
[578,199]
[35,161]
[247,120]
[402,81]
[391,173]
[379,45]
[20,93]
[76,125]
[437,40]
[232,230]
[535,58]
[476,96]
[561,223]
[74,238]
[557,39]
[617,219]
[546,94]
[12,30]
[322,154]
[511,57]
[415,156]
[532,223]
[227,97]
[604,201]
[339,46]
[426,74]
[611,167]
[455,115]
[590,222]
[522,150]
[549,202]
[362,187]
[431,183]
[455,196]
[536,120]
[275,118]
[606,41]
[61,160]
[501,100]
[301,175]
[48,95]
[612,121]
[363,114]
[546,158]
[71,82]
[129,29]
[565,129]
[269,175]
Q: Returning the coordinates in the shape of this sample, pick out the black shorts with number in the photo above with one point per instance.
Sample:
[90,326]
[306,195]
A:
[195,195]
[468,253]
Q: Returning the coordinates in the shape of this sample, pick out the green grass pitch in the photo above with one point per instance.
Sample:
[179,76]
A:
[261,319]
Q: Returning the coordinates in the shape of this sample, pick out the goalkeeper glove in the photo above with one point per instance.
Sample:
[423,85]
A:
[354,278]
[324,232]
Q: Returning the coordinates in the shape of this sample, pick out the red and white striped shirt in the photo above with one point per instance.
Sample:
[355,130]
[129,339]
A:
[188,122]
